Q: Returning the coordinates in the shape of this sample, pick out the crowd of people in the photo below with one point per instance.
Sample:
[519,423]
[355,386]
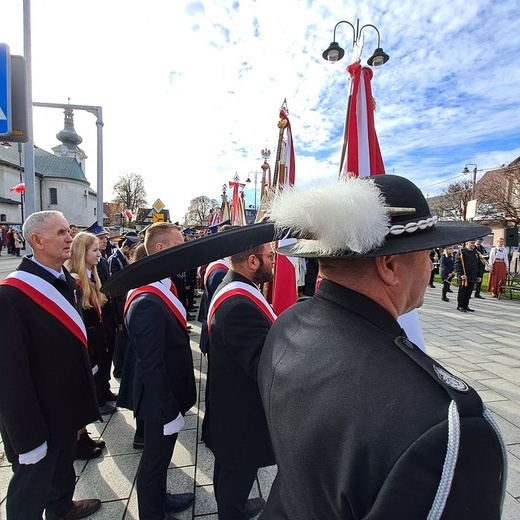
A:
[12,239]
[466,265]
[336,391]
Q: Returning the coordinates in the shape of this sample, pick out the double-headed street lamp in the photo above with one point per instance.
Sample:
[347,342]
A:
[334,52]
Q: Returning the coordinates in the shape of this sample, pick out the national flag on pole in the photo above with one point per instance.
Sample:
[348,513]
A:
[129,214]
[238,217]
[361,155]
[285,285]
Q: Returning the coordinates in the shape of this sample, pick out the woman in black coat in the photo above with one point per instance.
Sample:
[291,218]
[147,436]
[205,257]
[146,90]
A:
[447,272]
[85,255]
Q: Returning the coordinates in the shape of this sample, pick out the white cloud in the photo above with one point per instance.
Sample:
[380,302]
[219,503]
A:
[191,90]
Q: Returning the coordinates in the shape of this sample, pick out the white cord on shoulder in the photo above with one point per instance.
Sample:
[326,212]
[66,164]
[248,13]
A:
[450,461]
[491,420]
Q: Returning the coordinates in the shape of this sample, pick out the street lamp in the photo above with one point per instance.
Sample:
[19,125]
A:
[334,52]
[474,181]
[248,180]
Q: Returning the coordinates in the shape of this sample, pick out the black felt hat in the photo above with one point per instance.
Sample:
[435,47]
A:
[364,217]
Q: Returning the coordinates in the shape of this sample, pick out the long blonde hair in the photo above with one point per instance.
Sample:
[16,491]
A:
[91,296]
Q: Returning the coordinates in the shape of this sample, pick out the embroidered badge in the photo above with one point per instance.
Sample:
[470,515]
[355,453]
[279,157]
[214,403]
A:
[450,380]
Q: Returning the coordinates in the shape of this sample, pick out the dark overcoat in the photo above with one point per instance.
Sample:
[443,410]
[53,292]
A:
[468,262]
[46,384]
[360,420]
[234,426]
[164,383]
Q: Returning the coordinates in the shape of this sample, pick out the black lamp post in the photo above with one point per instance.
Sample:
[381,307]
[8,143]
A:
[248,180]
[474,180]
[334,52]
[6,145]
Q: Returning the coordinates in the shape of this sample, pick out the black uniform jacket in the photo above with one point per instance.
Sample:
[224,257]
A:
[470,264]
[164,383]
[359,420]
[46,384]
[234,426]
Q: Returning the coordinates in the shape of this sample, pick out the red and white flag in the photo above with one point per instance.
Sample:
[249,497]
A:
[285,284]
[361,155]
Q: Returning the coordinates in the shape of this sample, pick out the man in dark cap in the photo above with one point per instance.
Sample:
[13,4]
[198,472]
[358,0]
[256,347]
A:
[363,423]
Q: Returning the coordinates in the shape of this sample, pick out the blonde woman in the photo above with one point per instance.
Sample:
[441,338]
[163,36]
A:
[82,265]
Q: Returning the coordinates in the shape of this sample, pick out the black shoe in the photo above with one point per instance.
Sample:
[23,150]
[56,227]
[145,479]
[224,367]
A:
[469,310]
[86,452]
[444,299]
[110,396]
[177,502]
[254,507]
[84,437]
[192,308]
[80,509]
[461,309]
[449,290]
[479,297]
[138,443]
[432,286]
[107,409]
[191,317]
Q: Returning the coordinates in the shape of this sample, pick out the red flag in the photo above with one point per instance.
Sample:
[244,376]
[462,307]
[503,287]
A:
[361,155]
[285,285]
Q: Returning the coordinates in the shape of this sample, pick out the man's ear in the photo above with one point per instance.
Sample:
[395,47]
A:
[388,268]
[36,241]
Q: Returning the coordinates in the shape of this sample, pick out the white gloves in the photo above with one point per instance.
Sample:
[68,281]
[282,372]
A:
[174,426]
[33,456]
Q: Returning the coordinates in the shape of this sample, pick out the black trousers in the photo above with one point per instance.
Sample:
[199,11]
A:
[48,485]
[152,471]
[232,488]
[119,351]
[465,294]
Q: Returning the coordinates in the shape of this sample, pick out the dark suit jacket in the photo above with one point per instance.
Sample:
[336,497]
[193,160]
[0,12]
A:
[46,384]
[359,419]
[214,280]
[234,426]
[164,382]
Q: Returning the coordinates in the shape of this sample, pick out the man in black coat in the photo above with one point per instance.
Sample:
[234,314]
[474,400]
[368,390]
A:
[164,385]
[470,270]
[46,385]
[364,424]
[484,256]
[234,426]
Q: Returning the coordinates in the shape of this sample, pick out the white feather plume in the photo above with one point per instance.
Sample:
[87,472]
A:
[345,215]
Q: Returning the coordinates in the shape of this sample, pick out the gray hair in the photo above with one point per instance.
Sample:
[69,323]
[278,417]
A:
[34,222]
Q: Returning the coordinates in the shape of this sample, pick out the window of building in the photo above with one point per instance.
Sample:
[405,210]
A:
[95,211]
[53,195]
[3,217]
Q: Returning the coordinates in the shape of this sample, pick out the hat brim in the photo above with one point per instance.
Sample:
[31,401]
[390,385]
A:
[440,234]
[188,255]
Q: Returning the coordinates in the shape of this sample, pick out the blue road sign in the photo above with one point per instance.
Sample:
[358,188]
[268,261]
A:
[5,90]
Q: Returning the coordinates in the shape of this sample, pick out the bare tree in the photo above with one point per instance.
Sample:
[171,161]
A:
[498,196]
[199,209]
[130,192]
[452,204]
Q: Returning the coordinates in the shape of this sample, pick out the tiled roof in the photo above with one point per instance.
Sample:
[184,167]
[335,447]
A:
[58,167]
[46,164]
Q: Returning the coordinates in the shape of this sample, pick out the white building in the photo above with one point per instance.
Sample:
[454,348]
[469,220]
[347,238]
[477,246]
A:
[60,182]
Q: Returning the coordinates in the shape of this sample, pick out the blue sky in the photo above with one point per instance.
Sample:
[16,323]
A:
[191,90]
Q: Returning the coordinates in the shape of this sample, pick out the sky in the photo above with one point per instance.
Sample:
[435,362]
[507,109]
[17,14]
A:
[191,90]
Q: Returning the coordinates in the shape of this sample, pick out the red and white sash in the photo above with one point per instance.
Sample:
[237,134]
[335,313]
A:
[161,289]
[213,266]
[49,299]
[240,289]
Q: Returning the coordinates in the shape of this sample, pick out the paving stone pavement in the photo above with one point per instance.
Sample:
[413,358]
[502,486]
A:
[483,348]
